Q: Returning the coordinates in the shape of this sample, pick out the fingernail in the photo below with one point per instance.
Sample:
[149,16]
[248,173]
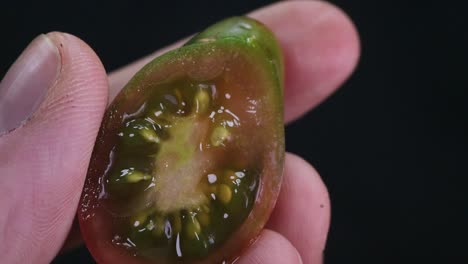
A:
[25,84]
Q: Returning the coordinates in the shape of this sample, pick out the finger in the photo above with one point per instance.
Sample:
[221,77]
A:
[320,46]
[271,248]
[302,212]
[43,162]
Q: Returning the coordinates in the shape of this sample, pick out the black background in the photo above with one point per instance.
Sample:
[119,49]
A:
[391,145]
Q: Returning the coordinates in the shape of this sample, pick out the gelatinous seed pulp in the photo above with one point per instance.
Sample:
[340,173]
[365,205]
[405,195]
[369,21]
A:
[189,208]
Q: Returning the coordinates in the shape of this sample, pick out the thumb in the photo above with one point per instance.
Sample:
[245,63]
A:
[51,100]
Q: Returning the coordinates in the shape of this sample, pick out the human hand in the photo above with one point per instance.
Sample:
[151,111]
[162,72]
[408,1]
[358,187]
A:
[43,162]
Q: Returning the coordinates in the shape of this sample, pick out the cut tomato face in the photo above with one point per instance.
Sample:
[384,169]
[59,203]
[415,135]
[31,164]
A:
[188,162]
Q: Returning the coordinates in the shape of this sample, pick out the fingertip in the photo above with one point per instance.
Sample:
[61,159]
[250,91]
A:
[79,97]
[299,170]
[44,161]
[302,212]
[321,49]
[72,111]
[81,67]
[271,247]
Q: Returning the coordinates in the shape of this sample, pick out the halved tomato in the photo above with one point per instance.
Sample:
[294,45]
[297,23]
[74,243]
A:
[188,162]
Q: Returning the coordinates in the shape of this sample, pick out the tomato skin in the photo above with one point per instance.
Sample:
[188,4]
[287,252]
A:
[238,42]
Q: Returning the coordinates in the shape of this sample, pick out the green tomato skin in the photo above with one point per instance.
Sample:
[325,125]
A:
[248,32]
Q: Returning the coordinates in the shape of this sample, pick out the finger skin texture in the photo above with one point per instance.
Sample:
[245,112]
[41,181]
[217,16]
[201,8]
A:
[43,163]
[273,248]
[320,45]
[302,212]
